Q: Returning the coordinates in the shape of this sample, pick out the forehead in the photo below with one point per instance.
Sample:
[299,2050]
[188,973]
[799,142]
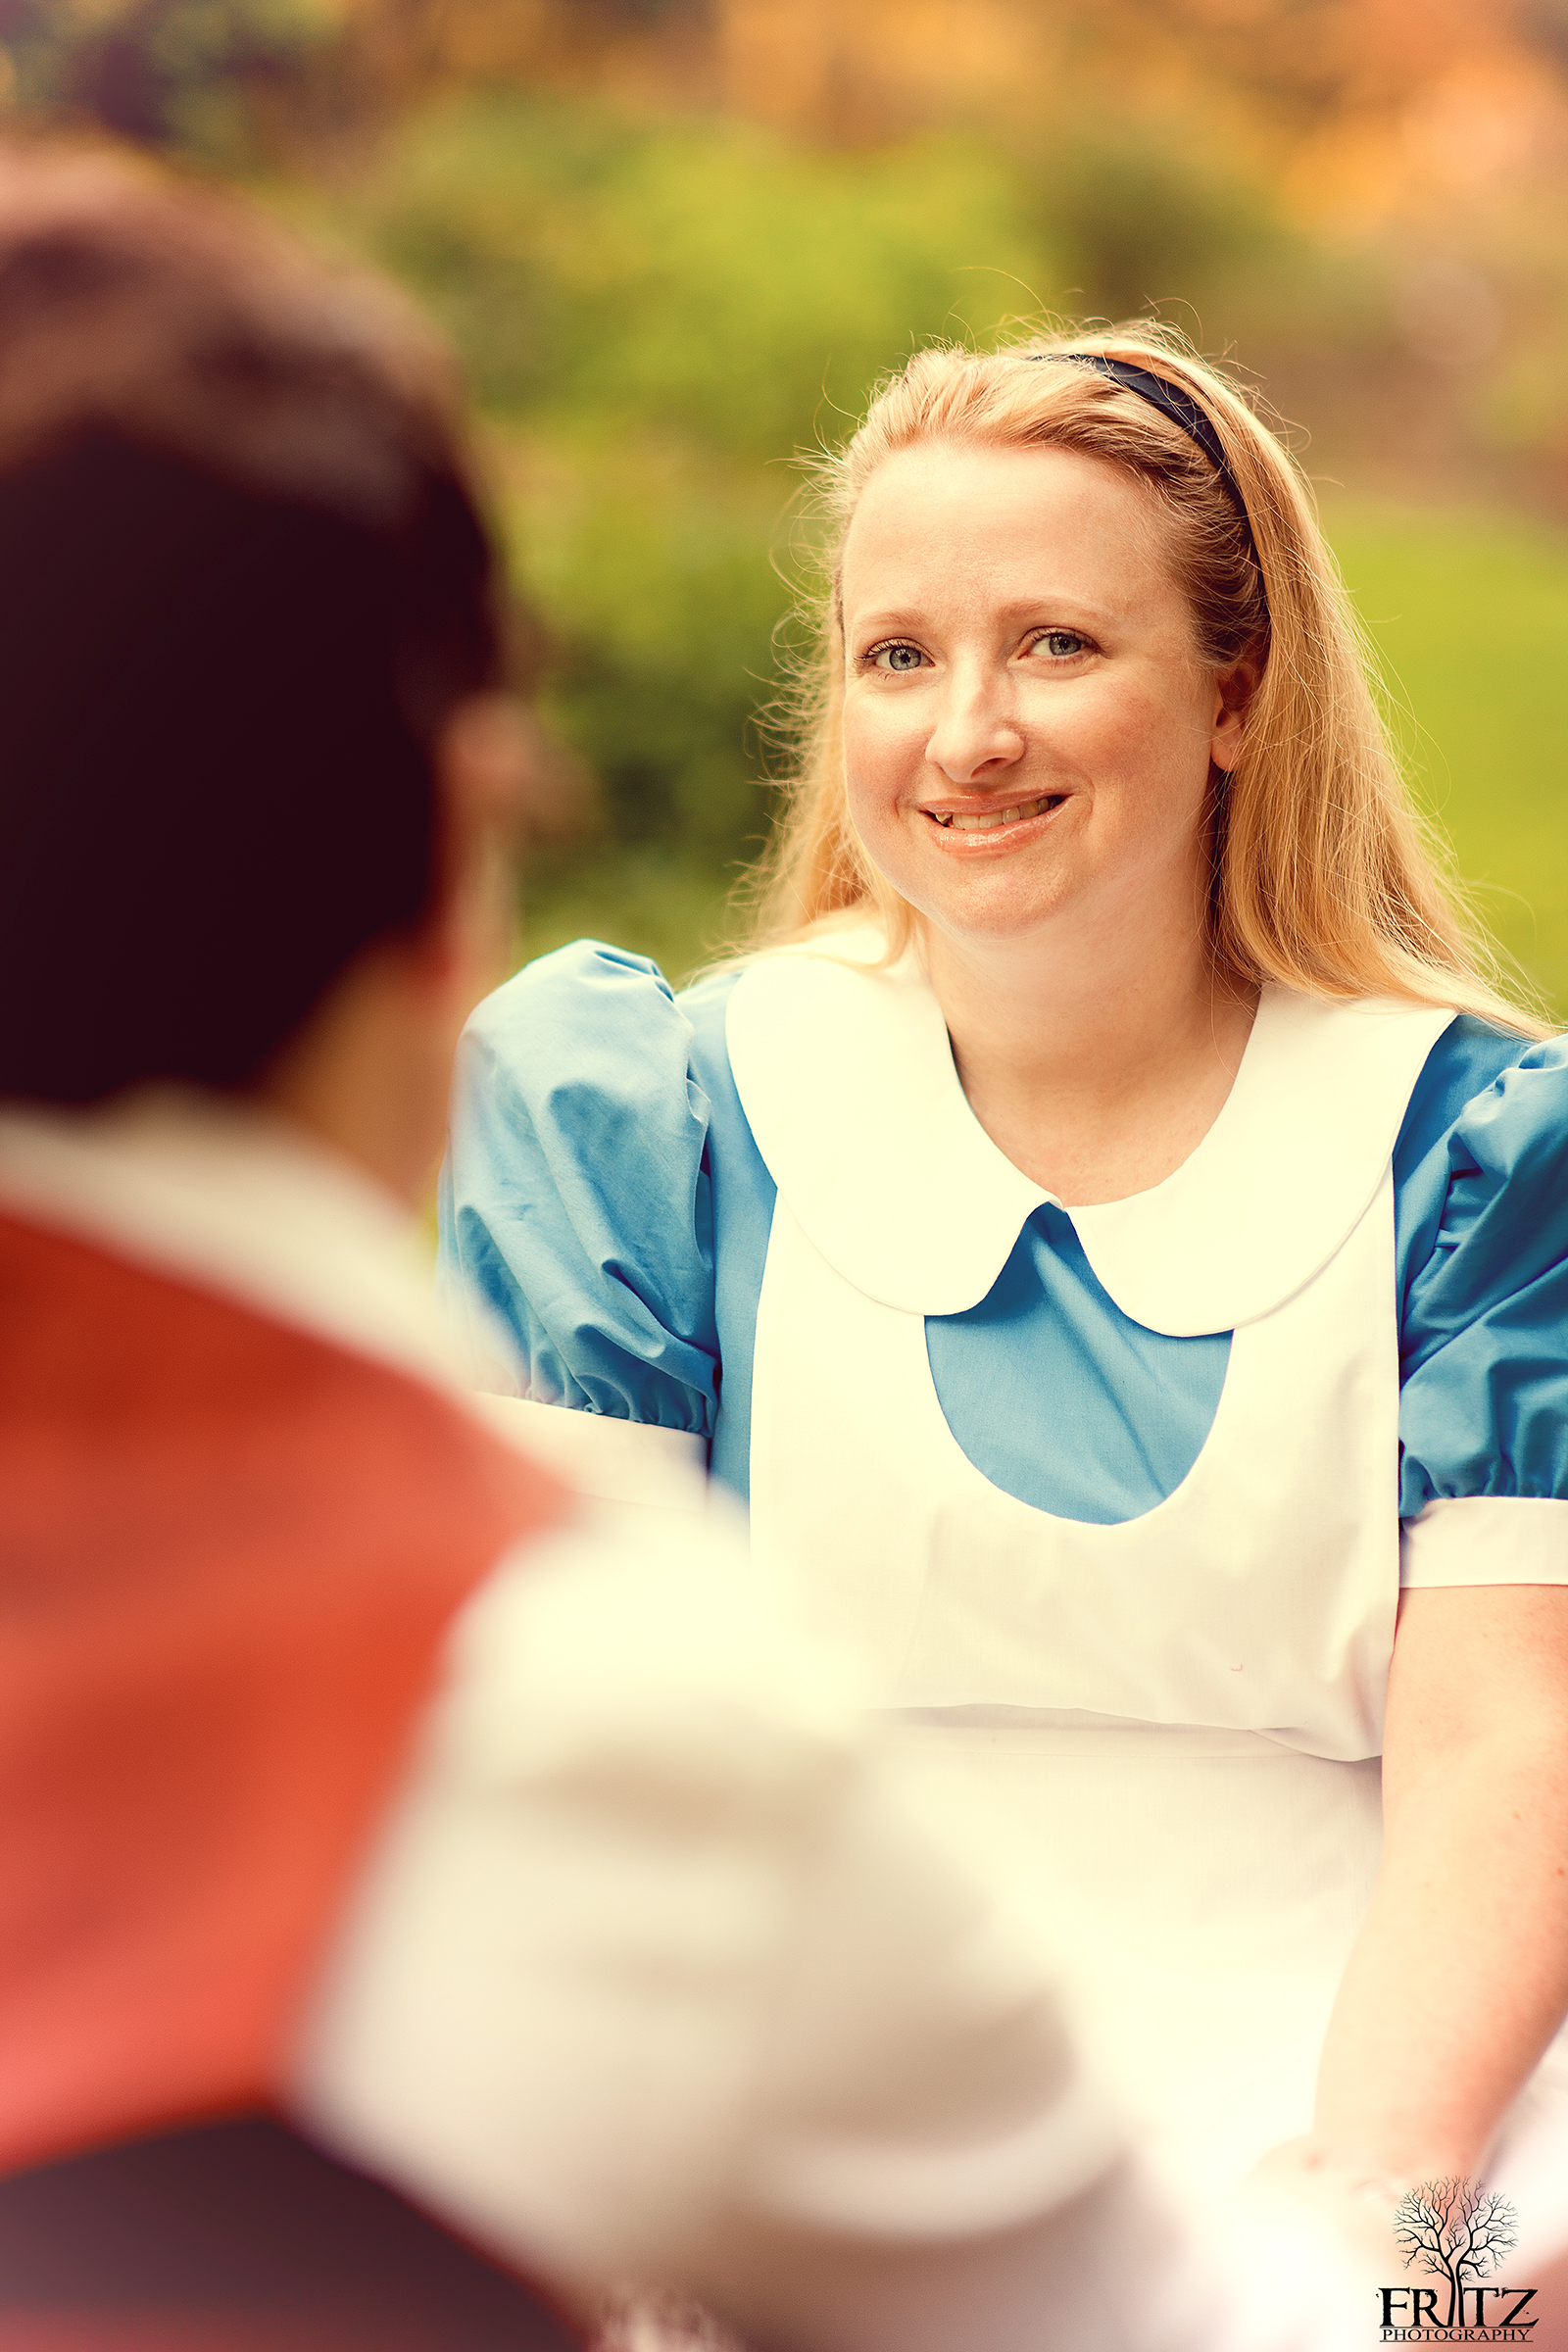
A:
[943,519]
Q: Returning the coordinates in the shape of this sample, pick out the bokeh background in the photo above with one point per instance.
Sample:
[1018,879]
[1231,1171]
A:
[675,240]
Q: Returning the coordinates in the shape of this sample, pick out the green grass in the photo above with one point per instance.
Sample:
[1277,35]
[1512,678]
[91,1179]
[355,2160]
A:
[1469,612]
[1470,616]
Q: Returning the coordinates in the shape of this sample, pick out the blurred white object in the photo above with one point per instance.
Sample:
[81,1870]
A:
[649,1973]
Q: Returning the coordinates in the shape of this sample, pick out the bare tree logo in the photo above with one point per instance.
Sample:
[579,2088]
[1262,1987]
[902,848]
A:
[1457,2231]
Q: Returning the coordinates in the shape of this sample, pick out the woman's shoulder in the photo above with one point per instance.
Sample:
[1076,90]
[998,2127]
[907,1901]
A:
[1482,1220]
[1486,1098]
[588,1058]
[592,1034]
[1481,1184]
[576,1200]
[587,1005]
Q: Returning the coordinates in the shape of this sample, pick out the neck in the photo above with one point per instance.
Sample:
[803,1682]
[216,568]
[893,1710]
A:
[1095,1055]
[366,1076]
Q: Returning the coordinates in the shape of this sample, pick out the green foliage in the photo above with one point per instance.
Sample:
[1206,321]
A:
[1144,222]
[657,312]
[674,907]
[708,279]
[656,317]
[1470,616]
[652,568]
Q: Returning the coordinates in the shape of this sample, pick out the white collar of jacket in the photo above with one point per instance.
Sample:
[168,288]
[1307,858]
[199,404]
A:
[846,1078]
[234,1199]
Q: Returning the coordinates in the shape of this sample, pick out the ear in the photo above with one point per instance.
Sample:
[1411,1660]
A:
[1234,689]
[483,764]
[371,1068]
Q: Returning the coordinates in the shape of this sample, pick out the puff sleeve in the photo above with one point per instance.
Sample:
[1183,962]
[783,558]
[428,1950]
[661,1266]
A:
[1484,1417]
[575,1204]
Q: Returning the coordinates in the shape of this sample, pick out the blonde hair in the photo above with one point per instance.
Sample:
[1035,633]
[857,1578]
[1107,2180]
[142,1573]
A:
[1325,875]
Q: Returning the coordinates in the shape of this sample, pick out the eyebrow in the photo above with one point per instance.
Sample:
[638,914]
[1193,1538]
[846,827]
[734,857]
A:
[910,617]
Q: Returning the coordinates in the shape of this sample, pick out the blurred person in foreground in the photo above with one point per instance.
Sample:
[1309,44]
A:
[408,1888]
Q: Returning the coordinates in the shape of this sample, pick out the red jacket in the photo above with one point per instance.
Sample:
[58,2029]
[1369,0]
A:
[228,1553]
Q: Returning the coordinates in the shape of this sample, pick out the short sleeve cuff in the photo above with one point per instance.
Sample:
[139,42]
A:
[1485,1539]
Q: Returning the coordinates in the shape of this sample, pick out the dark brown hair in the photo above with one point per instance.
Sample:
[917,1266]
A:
[244,579]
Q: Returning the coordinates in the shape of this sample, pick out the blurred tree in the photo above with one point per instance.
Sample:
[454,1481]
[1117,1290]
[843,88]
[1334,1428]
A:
[656,317]
[1145,221]
[704,277]
[168,73]
[676,240]
[1544,25]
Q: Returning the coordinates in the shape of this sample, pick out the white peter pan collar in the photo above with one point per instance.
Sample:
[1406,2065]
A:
[846,1075]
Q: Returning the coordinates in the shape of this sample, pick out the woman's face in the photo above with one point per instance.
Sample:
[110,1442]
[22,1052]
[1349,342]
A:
[1027,724]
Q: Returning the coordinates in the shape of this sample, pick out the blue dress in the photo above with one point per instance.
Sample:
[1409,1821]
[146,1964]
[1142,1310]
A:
[604,1198]
[1124,1599]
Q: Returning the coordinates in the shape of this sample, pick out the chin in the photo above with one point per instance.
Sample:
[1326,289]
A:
[997,910]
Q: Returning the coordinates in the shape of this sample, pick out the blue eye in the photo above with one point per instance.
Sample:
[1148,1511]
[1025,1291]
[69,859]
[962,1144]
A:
[1060,644]
[898,658]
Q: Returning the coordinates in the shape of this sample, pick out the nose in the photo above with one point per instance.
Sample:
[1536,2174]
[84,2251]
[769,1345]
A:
[977,737]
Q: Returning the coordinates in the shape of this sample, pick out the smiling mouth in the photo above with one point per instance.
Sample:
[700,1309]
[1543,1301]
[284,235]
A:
[992,821]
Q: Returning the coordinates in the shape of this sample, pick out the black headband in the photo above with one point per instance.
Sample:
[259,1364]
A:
[1182,409]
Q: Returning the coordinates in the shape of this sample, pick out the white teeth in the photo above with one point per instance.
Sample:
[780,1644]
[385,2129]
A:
[997,816]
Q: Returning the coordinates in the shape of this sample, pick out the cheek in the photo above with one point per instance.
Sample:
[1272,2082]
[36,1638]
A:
[883,749]
[1121,720]
[1148,749]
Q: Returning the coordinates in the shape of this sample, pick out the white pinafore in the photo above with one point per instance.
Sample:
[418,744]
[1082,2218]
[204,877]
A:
[1165,1732]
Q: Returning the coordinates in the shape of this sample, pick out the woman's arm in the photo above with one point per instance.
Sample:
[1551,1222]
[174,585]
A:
[1460,1975]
